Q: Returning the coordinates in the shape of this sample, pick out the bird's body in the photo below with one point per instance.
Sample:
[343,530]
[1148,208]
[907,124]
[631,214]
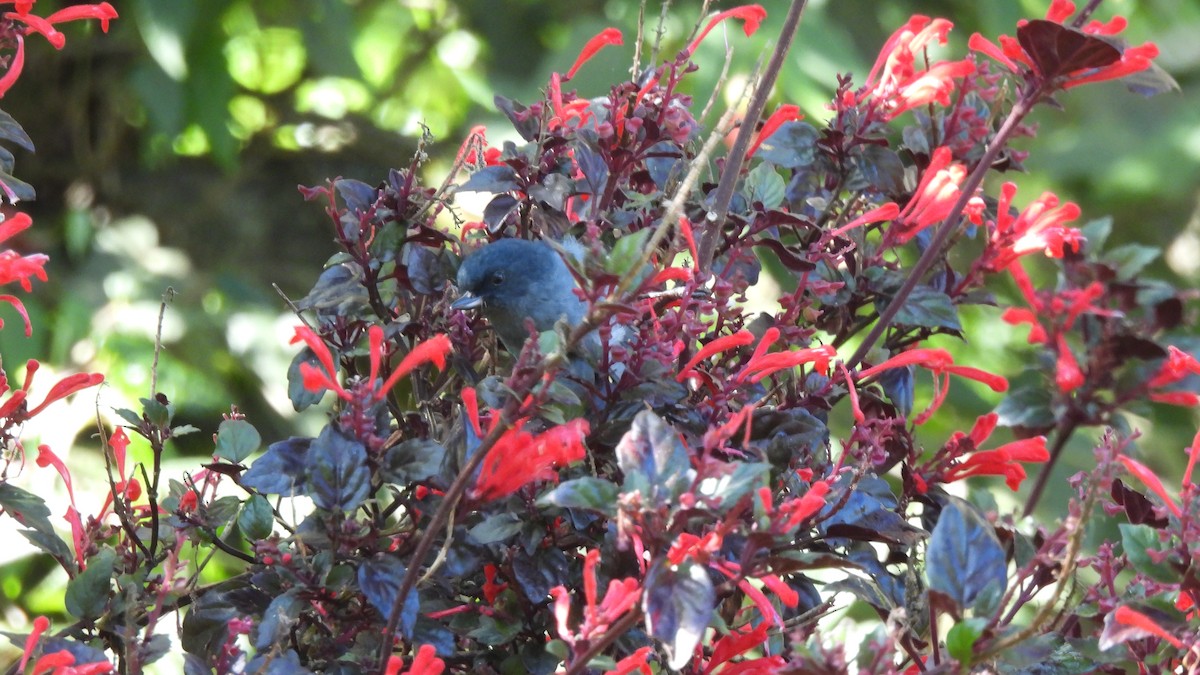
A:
[512,280]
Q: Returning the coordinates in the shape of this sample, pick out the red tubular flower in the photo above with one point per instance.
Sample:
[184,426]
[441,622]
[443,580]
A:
[491,589]
[935,195]
[103,12]
[314,379]
[1040,227]
[1001,461]
[519,458]
[1150,480]
[940,363]
[896,85]
[721,344]
[606,37]
[621,596]
[888,211]
[1178,365]
[1128,616]
[800,510]
[1067,374]
[433,350]
[1019,315]
[426,662]
[751,15]
[784,113]
[65,387]
[40,625]
[14,68]
[1193,452]
[738,642]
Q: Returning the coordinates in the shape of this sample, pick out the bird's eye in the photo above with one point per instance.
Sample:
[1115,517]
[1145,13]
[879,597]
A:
[497,278]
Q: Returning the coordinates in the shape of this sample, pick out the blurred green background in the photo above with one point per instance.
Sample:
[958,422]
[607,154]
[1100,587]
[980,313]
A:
[169,152]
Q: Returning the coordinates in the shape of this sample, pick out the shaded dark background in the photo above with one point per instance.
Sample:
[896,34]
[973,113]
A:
[170,150]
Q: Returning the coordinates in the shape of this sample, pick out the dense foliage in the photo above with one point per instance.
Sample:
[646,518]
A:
[707,489]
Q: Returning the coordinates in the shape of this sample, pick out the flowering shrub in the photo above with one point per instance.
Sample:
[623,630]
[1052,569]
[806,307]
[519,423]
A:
[714,484]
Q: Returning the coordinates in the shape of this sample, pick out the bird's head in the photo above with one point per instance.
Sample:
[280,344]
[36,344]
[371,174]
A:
[515,279]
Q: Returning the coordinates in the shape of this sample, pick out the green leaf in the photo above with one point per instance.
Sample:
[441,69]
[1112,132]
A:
[1096,232]
[765,185]
[626,253]
[593,494]
[1131,259]
[740,478]
[87,594]
[928,308]
[1027,406]
[792,146]
[29,509]
[413,460]
[1138,541]
[960,641]
[158,414]
[498,527]
[236,439]
[130,416]
[256,519]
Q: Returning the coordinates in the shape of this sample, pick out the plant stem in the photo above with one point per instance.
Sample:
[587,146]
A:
[622,626]
[1062,434]
[733,162]
[934,252]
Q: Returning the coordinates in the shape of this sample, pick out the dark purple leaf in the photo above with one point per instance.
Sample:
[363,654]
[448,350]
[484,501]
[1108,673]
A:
[281,470]
[593,494]
[413,460]
[1057,50]
[654,461]
[790,260]
[678,602]
[964,555]
[1138,508]
[357,195]
[525,124]
[537,573]
[497,210]
[87,594]
[10,130]
[338,478]
[499,178]
[300,397]
[379,578]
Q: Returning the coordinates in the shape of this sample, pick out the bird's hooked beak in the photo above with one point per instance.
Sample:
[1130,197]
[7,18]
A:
[467,300]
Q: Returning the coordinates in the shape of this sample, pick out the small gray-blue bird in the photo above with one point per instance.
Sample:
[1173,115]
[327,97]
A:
[511,280]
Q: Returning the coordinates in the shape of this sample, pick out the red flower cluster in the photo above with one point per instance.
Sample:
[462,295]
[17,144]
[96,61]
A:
[19,268]
[19,23]
[894,83]
[941,364]
[433,351]
[621,596]
[949,466]
[519,458]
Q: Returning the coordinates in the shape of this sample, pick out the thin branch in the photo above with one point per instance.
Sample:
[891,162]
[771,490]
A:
[733,163]
[936,245]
